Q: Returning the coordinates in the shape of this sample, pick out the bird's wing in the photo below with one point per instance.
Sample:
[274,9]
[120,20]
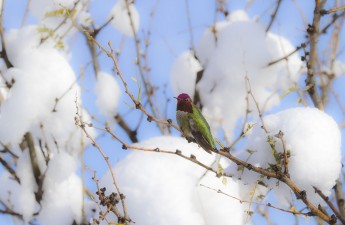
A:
[200,139]
[204,139]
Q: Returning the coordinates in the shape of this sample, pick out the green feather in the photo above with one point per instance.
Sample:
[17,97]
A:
[200,124]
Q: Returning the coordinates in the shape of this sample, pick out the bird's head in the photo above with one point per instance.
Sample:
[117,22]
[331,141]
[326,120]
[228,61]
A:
[184,103]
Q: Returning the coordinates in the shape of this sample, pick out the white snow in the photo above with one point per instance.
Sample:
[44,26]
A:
[164,189]
[39,8]
[312,137]
[107,91]
[63,192]
[121,20]
[20,198]
[42,74]
[52,17]
[183,73]
[242,48]
[338,68]
[160,188]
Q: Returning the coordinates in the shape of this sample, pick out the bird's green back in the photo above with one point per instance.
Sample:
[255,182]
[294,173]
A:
[201,124]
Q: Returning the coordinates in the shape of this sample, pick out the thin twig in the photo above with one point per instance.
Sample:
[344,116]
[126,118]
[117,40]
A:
[294,212]
[265,214]
[68,12]
[332,10]
[132,134]
[136,102]
[82,125]
[103,215]
[273,16]
[26,13]
[244,130]
[3,52]
[149,90]
[9,169]
[322,31]
[250,92]
[190,29]
[339,195]
[35,165]
[223,152]
[9,211]
[58,99]
[280,135]
[192,158]
[330,204]
[97,30]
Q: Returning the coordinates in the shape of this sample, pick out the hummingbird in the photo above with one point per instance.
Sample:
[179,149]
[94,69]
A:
[192,123]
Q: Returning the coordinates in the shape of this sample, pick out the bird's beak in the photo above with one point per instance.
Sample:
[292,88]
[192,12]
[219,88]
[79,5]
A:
[176,98]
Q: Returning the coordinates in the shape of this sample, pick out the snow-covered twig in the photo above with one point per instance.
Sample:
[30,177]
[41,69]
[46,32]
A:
[9,169]
[9,211]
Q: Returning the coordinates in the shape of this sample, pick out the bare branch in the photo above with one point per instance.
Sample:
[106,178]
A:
[250,92]
[273,16]
[9,169]
[35,165]
[82,125]
[313,31]
[26,12]
[190,29]
[280,135]
[339,195]
[132,134]
[330,204]
[192,158]
[332,10]
[322,31]
[9,211]
[3,52]
[294,212]
[148,87]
